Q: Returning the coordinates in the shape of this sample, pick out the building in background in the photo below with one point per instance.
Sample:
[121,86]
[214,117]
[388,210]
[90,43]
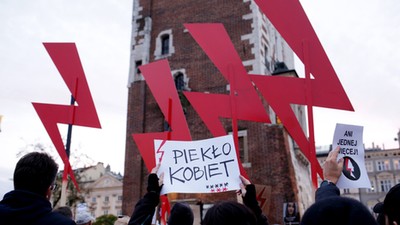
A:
[383,167]
[269,155]
[101,189]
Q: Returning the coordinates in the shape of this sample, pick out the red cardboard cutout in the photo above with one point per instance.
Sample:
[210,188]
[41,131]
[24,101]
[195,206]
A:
[159,79]
[289,18]
[244,103]
[65,57]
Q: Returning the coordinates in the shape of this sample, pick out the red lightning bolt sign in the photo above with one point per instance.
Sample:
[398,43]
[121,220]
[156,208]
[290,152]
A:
[159,79]
[325,90]
[65,57]
[244,103]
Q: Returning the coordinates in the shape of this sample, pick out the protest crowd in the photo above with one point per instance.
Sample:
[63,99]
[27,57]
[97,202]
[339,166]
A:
[35,174]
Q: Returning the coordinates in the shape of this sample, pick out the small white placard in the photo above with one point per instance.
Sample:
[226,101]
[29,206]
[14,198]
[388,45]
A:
[350,140]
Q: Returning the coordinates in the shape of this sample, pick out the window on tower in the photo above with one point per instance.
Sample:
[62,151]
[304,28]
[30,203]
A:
[165,44]
[137,64]
[179,81]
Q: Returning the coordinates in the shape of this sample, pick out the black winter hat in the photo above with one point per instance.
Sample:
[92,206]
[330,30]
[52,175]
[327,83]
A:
[338,210]
[181,214]
[391,204]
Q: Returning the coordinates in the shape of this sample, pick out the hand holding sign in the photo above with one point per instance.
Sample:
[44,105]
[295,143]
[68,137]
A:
[333,168]
[243,185]
[155,183]
[349,140]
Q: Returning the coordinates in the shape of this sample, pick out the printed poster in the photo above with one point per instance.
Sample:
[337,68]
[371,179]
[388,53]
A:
[350,140]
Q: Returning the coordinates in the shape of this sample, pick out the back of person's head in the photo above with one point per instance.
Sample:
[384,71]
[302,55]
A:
[390,206]
[338,210]
[228,213]
[64,210]
[82,218]
[181,214]
[83,215]
[35,172]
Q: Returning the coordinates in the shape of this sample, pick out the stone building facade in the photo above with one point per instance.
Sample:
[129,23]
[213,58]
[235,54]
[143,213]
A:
[101,190]
[268,153]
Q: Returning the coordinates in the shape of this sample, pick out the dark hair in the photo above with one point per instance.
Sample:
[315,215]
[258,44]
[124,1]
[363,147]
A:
[35,172]
[228,213]
[287,209]
[391,204]
[64,210]
[181,214]
[338,210]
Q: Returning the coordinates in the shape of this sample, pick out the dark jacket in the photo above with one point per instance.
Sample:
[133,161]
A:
[27,208]
[331,209]
[327,191]
[145,208]
[250,200]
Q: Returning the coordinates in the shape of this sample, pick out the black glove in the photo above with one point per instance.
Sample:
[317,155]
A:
[152,184]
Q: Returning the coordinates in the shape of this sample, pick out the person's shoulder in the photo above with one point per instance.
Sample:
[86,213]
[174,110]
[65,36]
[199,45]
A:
[55,218]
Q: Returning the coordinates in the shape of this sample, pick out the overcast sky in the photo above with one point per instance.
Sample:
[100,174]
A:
[361,38]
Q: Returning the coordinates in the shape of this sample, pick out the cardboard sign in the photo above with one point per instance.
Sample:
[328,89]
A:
[204,166]
[349,139]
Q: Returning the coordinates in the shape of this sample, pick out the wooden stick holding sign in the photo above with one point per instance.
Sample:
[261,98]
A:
[203,166]
[349,139]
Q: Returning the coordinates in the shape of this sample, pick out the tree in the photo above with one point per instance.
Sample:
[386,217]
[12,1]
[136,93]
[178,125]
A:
[105,220]
[73,196]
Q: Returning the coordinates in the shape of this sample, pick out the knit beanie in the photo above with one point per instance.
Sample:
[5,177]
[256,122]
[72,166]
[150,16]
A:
[181,214]
[338,210]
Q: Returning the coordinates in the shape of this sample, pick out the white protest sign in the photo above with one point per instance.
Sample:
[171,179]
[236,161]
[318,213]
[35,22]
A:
[349,139]
[203,166]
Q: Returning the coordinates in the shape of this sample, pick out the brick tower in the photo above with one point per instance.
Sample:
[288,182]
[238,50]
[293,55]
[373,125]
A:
[268,154]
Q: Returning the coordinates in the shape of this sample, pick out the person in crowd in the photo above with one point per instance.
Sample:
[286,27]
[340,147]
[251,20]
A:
[28,204]
[226,212]
[291,216]
[230,212]
[122,220]
[181,214]
[145,208]
[329,208]
[378,208]
[389,210]
[83,216]
[64,210]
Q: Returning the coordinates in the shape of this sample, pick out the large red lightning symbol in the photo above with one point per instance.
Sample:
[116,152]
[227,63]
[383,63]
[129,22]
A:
[325,90]
[159,79]
[243,103]
[66,59]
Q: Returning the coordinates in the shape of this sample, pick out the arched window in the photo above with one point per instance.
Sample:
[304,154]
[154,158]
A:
[179,81]
[165,44]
